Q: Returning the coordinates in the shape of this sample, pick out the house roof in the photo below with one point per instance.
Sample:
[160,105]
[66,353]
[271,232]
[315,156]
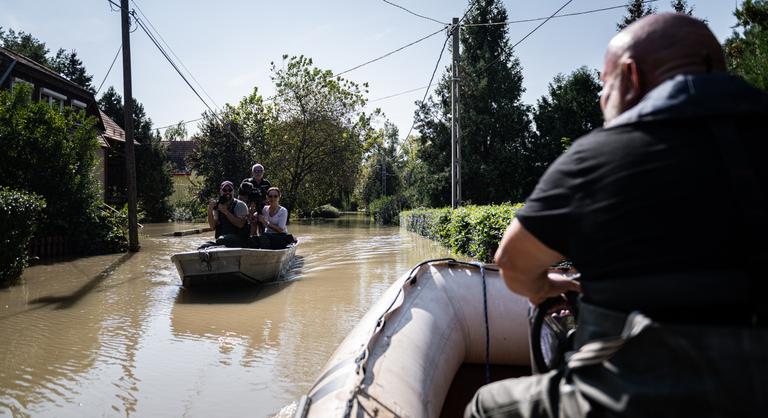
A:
[21,59]
[112,130]
[178,151]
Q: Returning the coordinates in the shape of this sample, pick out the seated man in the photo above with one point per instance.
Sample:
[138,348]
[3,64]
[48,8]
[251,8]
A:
[673,317]
[227,216]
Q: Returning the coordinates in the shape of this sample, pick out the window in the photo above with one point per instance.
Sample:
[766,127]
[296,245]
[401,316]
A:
[54,99]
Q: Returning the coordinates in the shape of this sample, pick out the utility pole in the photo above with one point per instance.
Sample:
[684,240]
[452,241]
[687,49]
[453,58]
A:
[455,132]
[130,164]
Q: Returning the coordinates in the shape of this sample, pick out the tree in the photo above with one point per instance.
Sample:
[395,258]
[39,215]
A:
[681,6]
[25,44]
[316,133]
[636,9]
[176,132]
[71,67]
[569,110]
[747,52]
[382,168]
[494,121]
[154,183]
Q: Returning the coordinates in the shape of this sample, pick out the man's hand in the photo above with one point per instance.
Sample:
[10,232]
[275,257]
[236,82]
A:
[554,285]
[223,209]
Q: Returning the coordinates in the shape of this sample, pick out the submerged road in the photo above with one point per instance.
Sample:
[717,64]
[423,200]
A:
[117,335]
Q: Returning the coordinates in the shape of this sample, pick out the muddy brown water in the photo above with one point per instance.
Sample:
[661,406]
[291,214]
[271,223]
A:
[117,335]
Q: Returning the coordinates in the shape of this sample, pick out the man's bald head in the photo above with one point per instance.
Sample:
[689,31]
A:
[652,50]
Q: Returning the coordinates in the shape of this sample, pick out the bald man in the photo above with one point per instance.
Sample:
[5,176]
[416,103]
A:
[664,211]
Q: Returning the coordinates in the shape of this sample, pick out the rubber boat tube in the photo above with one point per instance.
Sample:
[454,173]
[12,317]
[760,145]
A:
[402,356]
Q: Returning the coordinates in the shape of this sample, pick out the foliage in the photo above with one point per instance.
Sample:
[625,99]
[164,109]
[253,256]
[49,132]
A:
[325,211]
[382,168]
[386,209]
[681,6]
[154,182]
[747,52]
[495,122]
[471,230]
[418,186]
[20,213]
[65,63]
[569,110]
[53,154]
[176,132]
[189,209]
[636,9]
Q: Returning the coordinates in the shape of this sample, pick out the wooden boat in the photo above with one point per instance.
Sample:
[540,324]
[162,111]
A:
[225,264]
[425,346]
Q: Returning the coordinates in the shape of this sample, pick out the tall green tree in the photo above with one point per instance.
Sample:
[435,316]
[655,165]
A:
[70,66]
[382,169]
[154,182]
[569,110]
[495,124]
[747,50]
[635,10]
[25,44]
[177,132]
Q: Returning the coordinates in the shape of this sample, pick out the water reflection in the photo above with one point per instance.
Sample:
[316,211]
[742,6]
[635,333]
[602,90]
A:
[118,336]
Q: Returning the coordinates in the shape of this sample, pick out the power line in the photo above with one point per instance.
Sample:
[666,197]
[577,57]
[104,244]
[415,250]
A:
[426,92]
[509,22]
[176,124]
[392,52]
[174,54]
[398,94]
[110,68]
[501,55]
[414,13]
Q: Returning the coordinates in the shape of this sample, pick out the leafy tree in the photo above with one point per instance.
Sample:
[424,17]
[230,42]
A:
[381,172]
[681,6]
[747,52]
[177,132]
[65,63]
[316,133]
[494,122]
[53,154]
[635,10]
[154,183]
[570,110]
[25,44]
[71,67]
[419,189]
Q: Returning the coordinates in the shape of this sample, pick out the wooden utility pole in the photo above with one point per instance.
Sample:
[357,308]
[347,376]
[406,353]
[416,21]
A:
[130,163]
[455,132]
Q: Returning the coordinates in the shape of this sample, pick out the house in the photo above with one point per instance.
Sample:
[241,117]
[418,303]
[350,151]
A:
[57,91]
[184,179]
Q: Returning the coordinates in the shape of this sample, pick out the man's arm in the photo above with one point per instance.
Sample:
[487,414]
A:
[212,222]
[237,221]
[524,262]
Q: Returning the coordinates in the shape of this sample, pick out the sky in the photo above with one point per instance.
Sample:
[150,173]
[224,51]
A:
[228,45]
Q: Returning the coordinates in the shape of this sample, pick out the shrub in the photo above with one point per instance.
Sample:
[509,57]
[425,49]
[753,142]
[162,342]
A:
[19,216]
[325,211]
[386,210]
[471,230]
[189,209]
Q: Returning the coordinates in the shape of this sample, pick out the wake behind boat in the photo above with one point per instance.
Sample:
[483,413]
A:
[215,264]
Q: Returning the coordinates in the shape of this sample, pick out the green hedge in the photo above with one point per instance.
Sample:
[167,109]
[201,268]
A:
[471,230]
[386,209]
[325,211]
[19,216]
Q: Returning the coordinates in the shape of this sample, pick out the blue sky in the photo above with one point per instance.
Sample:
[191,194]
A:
[228,45]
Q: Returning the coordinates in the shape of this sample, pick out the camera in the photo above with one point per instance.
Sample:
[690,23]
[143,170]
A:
[223,200]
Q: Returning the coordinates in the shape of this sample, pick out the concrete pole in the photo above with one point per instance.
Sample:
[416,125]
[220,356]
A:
[455,140]
[130,163]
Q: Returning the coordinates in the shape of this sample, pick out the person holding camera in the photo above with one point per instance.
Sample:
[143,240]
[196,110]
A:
[227,216]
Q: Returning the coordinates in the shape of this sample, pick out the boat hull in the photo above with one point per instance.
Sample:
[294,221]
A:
[402,357]
[215,265]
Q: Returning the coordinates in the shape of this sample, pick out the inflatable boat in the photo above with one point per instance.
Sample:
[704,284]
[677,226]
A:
[218,264]
[436,335]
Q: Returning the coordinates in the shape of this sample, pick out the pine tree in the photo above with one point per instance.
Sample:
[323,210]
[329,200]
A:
[747,51]
[71,67]
[681,6]
[636,9]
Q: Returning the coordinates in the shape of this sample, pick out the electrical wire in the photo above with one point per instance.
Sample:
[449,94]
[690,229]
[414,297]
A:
[509,22]
[110,68]
[426,92]
[398,94]
[176,124]
[392,52]
[414,13]
[174,54]
[503,53]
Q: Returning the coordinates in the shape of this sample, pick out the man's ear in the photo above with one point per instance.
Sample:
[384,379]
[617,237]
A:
[632,88]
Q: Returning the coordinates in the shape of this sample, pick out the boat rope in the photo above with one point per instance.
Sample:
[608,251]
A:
[205,258]
[487,328]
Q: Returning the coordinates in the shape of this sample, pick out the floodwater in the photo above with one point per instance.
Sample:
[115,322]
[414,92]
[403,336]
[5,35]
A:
[117,335]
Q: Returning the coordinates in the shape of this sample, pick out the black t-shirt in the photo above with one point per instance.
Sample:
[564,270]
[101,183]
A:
[260,189]
[649,199]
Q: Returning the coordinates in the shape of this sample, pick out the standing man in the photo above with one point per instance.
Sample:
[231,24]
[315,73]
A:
[673,315]
[227,216]
[260,186]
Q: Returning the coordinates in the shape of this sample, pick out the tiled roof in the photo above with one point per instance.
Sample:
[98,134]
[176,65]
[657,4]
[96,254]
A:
[178,151]
[112,130]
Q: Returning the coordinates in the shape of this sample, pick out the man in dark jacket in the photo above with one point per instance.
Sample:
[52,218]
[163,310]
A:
[664,211]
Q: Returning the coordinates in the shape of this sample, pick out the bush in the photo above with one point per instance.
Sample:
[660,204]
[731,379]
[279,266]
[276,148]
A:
[471,230]
[19,216]
[386,210]
[189,209]
[325,211]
